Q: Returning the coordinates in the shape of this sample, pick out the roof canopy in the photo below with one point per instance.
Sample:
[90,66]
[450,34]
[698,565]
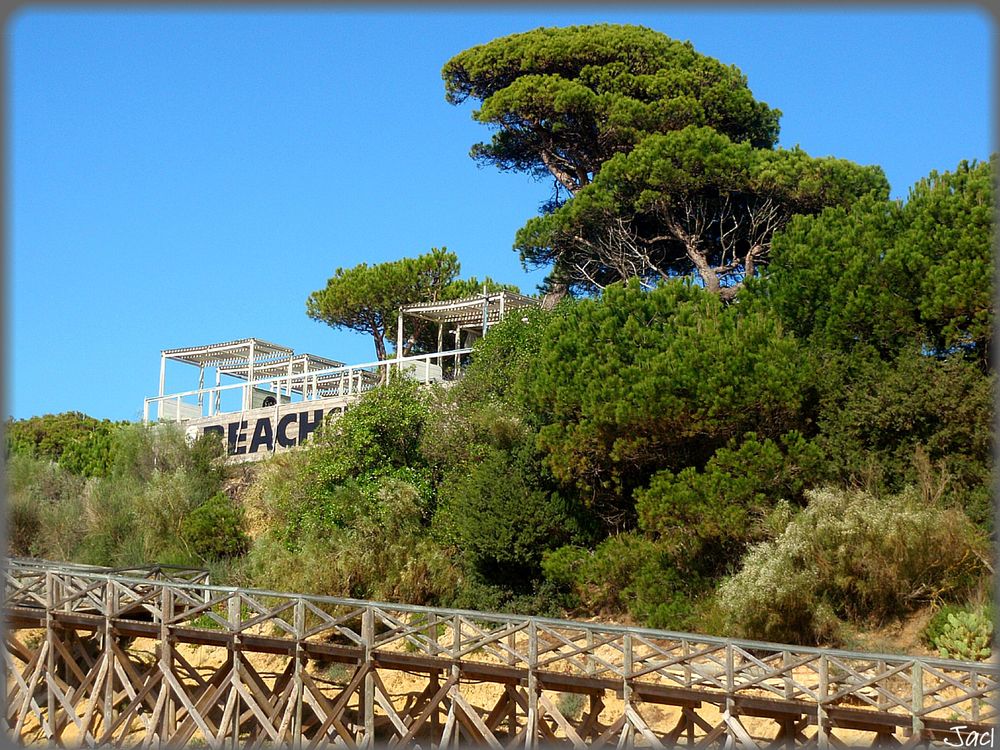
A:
[229,353]
[294,365]
[469,310]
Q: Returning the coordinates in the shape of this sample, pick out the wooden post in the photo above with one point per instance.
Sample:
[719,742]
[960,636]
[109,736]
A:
[531,730]
[589,660]
[163,372]
[822,733]
[50,664]
[107,712]
[629,741]
[917,706]
[167,725]
[368,698]
[201,384]
[686,651]
[300,629]
[440,341]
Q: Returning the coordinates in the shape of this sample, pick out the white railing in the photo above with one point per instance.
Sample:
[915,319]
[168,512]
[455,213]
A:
[344,381]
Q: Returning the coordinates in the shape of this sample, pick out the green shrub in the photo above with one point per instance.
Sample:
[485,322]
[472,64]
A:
[23,526]
[851,556]
[627,572]
[495,512]
[500,359]
[43,504]
[641,381]
[379,432]
[886,425]
[382,552]
[712,514]
[78,443]
[571,705]
[533,597]
[215,529]
[965,635]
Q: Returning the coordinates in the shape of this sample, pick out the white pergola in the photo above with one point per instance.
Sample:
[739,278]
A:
[247,357]
[471,314]
[289,367]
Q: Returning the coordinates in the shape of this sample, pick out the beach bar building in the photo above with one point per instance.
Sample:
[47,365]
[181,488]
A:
[261,397]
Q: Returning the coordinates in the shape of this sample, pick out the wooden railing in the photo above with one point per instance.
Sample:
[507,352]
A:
[346,381]
[72,678]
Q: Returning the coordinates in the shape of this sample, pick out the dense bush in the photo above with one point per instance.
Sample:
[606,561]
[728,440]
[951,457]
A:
[385,555]
[497,514]
[851,556]
[892,275]
[350,515]
[501,358]
[641,381]
[378,433]
[627,572]
[132,516]
[78,443]
[214,529]
[886,424]
[707,517]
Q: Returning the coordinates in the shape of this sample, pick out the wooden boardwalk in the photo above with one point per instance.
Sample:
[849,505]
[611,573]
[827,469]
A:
[98,657]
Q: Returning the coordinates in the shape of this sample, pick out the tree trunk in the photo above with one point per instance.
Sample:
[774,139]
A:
[551,298]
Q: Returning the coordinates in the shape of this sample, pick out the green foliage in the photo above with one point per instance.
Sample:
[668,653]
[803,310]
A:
[948,249]
[965,635]
[132,516]
[571,705]
[78,443]
[638,382]
[912,420]
[215,529]
[686,202]
[44,503]
[893,275]
[563,101]
[338,482]
[935,627]
[367,298]
[349,516]
[384,553]
[495,512]
[709,516]
[854,557]
[501,357]
[534,597]
[379,432]
[626,572]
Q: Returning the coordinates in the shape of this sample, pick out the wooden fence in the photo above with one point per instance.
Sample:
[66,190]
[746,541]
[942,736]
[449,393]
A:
[155,656]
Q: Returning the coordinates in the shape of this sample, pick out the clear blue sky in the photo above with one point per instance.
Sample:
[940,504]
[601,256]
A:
[179,178]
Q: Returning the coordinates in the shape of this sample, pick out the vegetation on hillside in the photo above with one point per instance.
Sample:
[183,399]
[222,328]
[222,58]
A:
[803,461]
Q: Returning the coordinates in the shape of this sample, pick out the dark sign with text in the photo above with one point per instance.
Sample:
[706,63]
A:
[267,433]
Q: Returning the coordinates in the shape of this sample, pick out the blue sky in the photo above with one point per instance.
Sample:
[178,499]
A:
[177,178]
